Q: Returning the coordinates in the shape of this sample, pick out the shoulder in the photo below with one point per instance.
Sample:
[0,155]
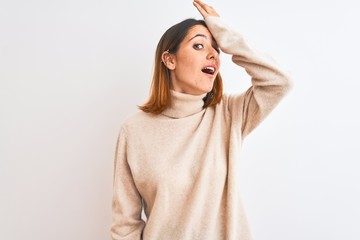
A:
[231,99]
[137,121]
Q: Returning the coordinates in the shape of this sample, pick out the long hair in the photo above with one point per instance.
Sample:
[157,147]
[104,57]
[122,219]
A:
[159,97]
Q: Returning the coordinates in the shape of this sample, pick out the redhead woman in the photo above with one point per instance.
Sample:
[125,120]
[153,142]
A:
[177,159]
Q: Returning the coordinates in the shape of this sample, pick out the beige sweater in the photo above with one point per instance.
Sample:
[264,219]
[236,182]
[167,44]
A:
[181,166]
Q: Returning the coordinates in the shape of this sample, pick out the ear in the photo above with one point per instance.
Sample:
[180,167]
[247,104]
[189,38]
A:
[169,60]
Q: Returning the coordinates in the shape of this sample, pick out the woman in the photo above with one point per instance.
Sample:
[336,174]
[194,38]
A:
[177,158]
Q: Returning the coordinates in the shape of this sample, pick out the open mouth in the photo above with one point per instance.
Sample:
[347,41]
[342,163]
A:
[208,70]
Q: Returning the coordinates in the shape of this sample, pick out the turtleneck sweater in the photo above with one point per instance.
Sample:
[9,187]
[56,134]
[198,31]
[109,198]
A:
[184,105]
[181,167]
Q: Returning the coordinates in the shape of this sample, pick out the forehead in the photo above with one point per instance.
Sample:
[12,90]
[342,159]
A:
[198,30]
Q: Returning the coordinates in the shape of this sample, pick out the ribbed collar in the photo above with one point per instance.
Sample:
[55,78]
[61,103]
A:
[184,105]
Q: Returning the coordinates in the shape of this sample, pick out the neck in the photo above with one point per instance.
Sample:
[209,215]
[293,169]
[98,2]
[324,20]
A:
[184,105]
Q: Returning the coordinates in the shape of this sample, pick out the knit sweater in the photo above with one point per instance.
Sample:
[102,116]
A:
[181,167]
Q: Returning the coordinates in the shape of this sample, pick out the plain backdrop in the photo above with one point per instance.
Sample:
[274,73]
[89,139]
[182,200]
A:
[72,70]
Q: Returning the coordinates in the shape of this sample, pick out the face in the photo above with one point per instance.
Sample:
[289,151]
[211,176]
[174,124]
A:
[194,66]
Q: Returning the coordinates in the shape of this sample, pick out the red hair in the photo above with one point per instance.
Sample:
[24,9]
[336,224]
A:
[159,97]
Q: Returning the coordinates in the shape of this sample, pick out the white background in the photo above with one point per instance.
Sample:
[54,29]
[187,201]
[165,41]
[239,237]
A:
[72,70]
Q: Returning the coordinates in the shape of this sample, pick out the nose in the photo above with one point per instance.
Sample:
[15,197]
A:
[212,54]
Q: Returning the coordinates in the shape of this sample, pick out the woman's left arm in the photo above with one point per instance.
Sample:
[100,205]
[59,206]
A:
[270,82]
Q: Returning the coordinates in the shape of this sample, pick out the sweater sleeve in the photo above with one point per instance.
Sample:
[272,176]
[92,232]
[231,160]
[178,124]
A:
[269,82]
[126,203]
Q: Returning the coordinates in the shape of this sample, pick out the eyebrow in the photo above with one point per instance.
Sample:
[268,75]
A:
[198,35]
[215,46]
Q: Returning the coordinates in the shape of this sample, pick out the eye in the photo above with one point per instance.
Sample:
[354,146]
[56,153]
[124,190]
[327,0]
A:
[198,46]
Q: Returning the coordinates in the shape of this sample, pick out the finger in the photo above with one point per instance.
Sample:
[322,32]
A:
[203,5]
[205,8]
[200,9]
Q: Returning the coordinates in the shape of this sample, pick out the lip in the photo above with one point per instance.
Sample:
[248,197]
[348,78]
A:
[212,66]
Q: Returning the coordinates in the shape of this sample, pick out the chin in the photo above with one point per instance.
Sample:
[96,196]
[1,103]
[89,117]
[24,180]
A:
[205,90]
[209,88]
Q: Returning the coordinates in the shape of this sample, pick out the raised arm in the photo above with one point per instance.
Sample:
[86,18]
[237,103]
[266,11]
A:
[270,82]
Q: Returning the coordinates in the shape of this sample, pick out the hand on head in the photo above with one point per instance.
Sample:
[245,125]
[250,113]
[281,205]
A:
[204,9]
